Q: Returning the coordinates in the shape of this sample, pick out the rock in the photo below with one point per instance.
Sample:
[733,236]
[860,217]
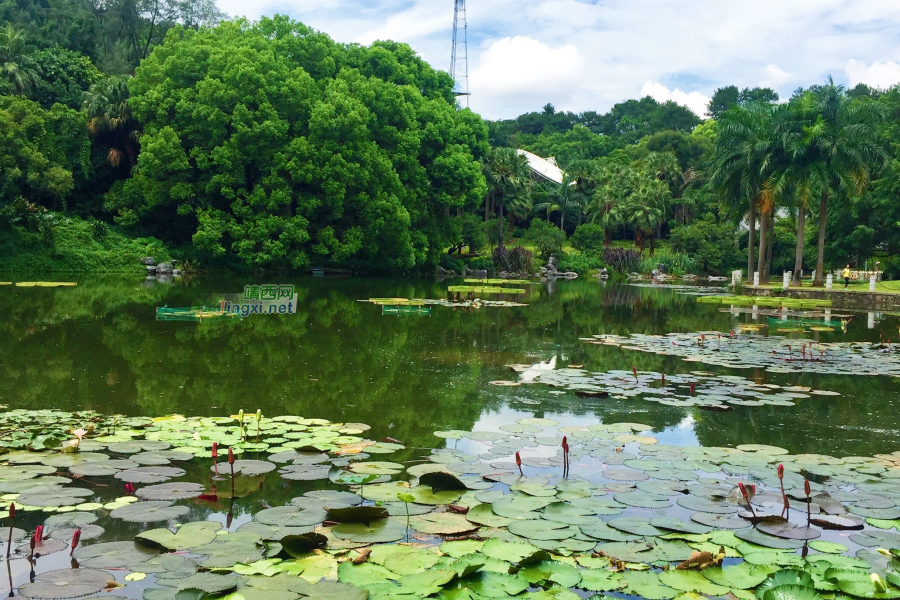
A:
[479,274]
[176,272]
[164,268]
[151,270]
[603,274]
[147,260]
[690,277]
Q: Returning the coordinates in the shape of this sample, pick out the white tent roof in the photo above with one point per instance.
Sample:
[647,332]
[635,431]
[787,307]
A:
[543,167]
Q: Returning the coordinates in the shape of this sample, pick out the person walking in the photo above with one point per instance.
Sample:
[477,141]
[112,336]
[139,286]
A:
[846,276]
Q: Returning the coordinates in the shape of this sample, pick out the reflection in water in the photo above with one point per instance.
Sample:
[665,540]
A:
[99,346]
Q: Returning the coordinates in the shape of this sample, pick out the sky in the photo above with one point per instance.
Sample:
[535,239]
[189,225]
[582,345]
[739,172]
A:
[590,54]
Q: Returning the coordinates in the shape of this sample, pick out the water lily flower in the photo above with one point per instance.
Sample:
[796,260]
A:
[231,458]
[75,538]
[780,471]
[880,584]
[519,463]
[38,536]
[129,489]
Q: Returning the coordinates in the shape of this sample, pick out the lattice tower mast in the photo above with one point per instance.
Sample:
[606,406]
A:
[459,61]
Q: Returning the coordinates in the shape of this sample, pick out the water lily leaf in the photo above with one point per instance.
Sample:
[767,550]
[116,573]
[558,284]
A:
[791,592]
[549,571]
[64,534]
[643,499]
[317,566]
[534,489]
[304,472]
[634,552]
[53,496]
[512,552]
[290,516]
[692,581]
[482,514]
[719,521]
[170,491]
[149,474]
[329,499]
[635,525]
[66,583]
[743,576]
[171,566]
[789,531]
[600,580]
[706,505]
[442,524]
[490,585]
[364,574]
[266,567]
[377,468]
[249,468]
[64,461]
[187,536]
[299,545]
[101,468]
[356,514]
[209,583]
[378,532]
[325,590]
[515,505]
[147,512]
[228,551]
[599,530]
[647,585]
[761,539]
[111,555]
[675,524]
[441,482]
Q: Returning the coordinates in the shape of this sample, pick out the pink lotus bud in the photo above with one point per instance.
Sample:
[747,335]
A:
[780,471]
[38,534]
[75,537]
[215,449]
[806,487]
[565,445]
[518,460]
[12,510]
[230,457]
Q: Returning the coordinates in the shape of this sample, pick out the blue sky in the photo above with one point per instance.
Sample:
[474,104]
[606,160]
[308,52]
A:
[587,55]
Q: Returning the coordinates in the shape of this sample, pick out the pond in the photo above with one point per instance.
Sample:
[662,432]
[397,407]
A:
[99,346]
[446,424]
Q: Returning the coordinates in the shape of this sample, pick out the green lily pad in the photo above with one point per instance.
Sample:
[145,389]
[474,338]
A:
[743,576]
[483,514]
[442,524]
[643,499]
[290,516]
[229,551]
[511,552]
[170,491]
[692,581]
[356,514]
[53,496]
[379,532]
[675,524]
[187,536]
[299,545]
[828,547]
[149,474]
[635,525]
[66,583]
[112,555]
[761,539]
[543,530]
[148,512]
[647,585]
[325,590]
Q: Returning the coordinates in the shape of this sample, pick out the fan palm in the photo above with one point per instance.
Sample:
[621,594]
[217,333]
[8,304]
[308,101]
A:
[563,198]
[106,105]
[508,177]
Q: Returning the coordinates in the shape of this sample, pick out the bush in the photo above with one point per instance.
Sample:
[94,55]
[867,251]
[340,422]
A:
[581,263]
[674,262]
[711,244]
[451,264]
[546,237]
[480,263]
[622,260]
[588,237]
[516,259]
[473,235]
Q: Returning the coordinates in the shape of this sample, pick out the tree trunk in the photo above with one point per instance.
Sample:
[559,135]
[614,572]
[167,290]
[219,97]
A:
[798,253]
[761,262]
[652,244]
[820,258]
[487,199]
[562,220]
[607,238]
[500,224]
[639,240]
[770,244]
[752,220]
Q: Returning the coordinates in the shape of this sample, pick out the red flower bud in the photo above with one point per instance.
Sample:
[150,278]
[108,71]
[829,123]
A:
[743,490]
[780,471]
[565,445]
[129,489]
[518,460]
[75,537]
[634,370]
[38,534]
[806,487]
[215,449]
[230,457]
[12,510]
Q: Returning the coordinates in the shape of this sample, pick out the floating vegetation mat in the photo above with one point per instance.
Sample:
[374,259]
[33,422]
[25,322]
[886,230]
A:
[193,314]
[765,301]
[494,516]
[475,303]
[698,388]
[775,353]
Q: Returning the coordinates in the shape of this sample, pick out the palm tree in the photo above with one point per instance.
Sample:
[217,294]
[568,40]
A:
[746,155]
[563,198]
[106,105]
[845,137]
[16,65]
[508,176]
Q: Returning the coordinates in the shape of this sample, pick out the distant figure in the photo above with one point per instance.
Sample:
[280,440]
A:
[846,276]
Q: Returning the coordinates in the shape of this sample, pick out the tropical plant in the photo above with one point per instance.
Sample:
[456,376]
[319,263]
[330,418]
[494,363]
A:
[16,63]
[622,260]
[546,237]
[508,178]
[563,198]
[109,116]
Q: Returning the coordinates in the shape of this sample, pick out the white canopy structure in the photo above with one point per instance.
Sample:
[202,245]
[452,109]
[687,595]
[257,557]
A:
[543,168]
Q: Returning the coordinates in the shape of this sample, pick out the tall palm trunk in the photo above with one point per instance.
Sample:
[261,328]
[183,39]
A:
[487,199]
[607,238]
[770,244]
[820,258]
[500,224]
[763,227]
[798,253]
[752,219]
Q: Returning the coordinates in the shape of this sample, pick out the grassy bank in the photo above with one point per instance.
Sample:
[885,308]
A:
[73,245]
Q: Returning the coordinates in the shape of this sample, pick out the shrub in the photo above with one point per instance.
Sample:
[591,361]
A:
[472,230]
[588,237]
[514,259]
[622,260]
[451,264]
[546,237]
[581,263]
[674,263]
[709,243]
[480,263]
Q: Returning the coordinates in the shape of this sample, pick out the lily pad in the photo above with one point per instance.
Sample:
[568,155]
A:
[442,524]
[66,583]
[187,536]
[379,532]
[150,474]
[111,555]
[170,491]
[148,512]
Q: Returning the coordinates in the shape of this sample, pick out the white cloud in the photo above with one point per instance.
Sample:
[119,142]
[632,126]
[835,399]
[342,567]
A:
[695,101]
[882,74]
[775,77]
[523,74]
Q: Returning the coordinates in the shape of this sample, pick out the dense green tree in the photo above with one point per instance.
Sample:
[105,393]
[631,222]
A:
[729,96]
[508,178]
[274,144]
[62,76]
[546,238]
[42,152]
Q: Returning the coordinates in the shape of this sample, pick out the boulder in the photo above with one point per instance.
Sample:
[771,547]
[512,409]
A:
[147,261]
[176,272]
[151,269]
[164,268]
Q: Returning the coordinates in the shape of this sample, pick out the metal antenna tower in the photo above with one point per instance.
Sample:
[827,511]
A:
[459,61]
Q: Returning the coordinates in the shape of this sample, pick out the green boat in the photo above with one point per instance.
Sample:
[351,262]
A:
[193,314]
